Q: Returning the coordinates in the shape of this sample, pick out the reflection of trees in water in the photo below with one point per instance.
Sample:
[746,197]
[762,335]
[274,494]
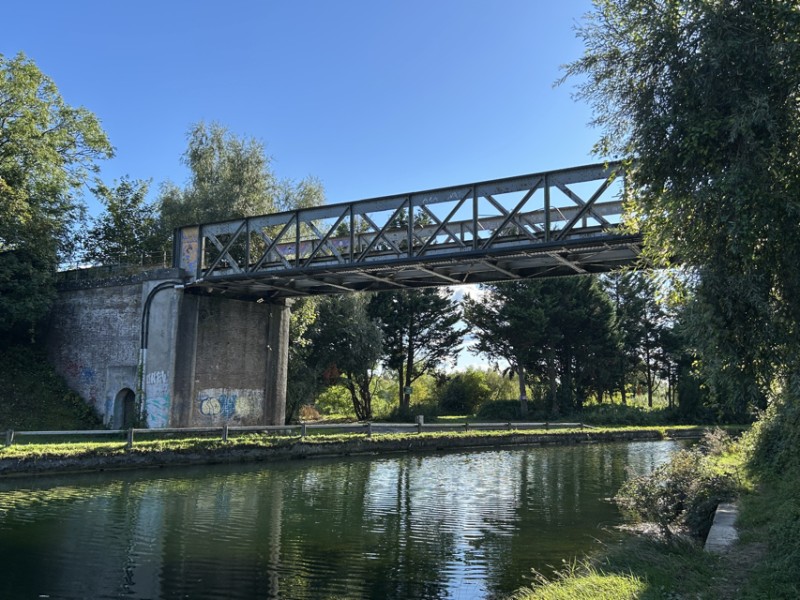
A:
[558,487]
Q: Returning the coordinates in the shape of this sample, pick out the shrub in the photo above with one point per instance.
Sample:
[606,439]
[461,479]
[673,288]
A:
[462,393]
[429,410]
[773,441]
[309,413]
[684,491]
[335,400]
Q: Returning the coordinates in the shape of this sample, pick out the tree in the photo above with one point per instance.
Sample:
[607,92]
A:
[581,336]
[560,331]
[419,333]
[230,178]
[504,323]
[704,95]
[127,232]
[347,346]
[641,320]
[625,288]
[47,150]
[303,376]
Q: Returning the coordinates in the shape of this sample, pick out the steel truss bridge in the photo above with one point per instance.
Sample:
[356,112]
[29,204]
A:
[540,225]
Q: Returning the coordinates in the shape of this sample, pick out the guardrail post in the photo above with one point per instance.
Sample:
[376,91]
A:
[466,427]
[508,426]
[9,437]
[369,429]
[581,425]
[129,445]
[302,430]
[547,424]
[225,432]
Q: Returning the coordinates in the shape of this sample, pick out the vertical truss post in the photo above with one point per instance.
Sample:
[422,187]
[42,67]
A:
[201,252]
[410,236]
[546,208]
[352,234]
[297,239]
[247,244]
[474,217]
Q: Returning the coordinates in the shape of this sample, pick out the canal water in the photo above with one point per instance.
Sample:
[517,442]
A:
[466,525]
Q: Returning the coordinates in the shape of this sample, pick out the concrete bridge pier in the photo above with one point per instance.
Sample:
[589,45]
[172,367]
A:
[142,348]
[231,361]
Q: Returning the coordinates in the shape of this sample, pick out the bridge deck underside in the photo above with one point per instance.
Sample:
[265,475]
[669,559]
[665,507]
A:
[541,225]
[588,256]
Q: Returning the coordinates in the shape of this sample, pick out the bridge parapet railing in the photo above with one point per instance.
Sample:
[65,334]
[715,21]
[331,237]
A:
[479,219]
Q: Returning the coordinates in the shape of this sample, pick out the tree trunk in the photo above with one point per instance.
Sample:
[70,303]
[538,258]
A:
[623,390]
[649,377]
[523,395]
[551,374]
[405,403]
[401,395]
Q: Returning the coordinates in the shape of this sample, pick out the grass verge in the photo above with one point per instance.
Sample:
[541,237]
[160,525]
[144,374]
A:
[104,454]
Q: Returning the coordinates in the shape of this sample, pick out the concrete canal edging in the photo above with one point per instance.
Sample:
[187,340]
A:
[242,451]
[723,533]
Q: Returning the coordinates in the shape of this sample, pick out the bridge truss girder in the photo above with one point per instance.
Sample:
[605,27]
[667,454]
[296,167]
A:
[539,225]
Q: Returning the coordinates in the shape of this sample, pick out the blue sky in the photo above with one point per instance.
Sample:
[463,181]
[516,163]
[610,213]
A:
[372,97]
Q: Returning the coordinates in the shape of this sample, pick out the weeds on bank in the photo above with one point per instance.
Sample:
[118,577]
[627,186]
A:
[583,581]
[770,516]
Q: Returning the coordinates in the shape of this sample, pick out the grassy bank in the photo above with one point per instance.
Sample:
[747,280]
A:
[33,396]
[98,455]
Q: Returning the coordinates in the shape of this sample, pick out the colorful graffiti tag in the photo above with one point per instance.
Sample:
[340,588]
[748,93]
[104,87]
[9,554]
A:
[157,402]
[224,404]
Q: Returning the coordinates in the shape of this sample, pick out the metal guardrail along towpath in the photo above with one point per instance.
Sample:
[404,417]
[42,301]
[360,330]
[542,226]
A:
[303,429]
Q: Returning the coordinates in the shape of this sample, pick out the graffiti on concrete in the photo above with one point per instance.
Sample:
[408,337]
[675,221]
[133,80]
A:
[220,405]
[157,402]
[189,249]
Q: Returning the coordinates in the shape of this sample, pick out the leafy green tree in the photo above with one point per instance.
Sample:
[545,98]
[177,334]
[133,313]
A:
[642,323]
[704,96]
[560,331]
[47,151]
[303,375]
[419,333]
[626,291]
[127,232]
[230,177]
[581,334]
[504,322]
[346,345]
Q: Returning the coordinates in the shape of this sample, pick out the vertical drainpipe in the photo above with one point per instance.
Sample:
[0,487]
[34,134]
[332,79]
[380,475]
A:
[144,335]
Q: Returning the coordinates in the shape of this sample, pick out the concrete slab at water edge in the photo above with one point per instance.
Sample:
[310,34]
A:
[723,533]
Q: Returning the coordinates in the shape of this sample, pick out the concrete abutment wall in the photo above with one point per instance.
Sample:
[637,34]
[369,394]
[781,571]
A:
[207,360]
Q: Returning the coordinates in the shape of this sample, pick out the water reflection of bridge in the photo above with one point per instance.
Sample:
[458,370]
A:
[545,224]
